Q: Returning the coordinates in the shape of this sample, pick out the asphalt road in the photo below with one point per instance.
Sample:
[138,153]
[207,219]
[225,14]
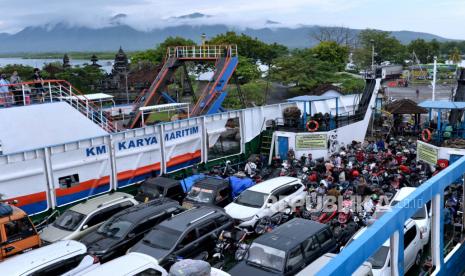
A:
[443,92]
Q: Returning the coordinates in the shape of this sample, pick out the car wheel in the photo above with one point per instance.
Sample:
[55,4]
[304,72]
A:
[418,259]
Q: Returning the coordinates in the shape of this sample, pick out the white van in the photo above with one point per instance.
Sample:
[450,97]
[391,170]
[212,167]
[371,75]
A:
[421,217]
[413,250]
[318,264]
[54,259]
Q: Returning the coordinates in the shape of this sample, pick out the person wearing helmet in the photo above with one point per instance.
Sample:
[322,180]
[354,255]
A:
[370,205]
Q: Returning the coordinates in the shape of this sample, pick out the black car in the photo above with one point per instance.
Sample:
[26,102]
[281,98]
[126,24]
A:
[157,187]
[209,191]
[124,229]
[186,235]
[287,249]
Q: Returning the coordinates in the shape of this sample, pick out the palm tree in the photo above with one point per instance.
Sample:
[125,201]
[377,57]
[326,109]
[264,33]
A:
[455,56]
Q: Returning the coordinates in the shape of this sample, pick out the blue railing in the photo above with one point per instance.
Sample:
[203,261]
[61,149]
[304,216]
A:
[391,224]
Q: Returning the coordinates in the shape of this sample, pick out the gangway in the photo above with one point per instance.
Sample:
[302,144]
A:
[26,93]
[226,60]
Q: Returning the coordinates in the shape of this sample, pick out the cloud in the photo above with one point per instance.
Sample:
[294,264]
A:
[440,17]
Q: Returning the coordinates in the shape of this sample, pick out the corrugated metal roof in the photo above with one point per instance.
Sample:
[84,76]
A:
[309,98]
[442,105]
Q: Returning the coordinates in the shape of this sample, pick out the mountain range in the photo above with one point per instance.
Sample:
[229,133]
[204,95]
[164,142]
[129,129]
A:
[63,37]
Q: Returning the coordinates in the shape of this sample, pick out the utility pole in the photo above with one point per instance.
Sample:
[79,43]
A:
[434,77]
[372,55]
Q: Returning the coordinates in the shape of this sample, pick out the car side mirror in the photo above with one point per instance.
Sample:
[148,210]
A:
[85,227]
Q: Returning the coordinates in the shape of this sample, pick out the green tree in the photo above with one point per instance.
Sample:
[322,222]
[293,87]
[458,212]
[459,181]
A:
[25,72]
[422,50]
[331,52]
[387,48]
[85,78]
[158,54]
[302,69]
[455,56]
[246,70]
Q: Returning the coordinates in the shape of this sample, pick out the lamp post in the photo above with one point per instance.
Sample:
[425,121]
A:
[434,78]
[372,55]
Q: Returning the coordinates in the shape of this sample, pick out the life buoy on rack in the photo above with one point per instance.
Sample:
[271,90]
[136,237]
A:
[426,135]
[315,125]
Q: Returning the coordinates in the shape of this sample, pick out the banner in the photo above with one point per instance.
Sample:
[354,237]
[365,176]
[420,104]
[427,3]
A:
[310,141]
[427,153]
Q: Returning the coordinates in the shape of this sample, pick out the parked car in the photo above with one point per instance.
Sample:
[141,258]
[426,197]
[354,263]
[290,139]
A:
[86,217]
[17,233]
[421,217]
[132,264]
[187,235]
[318,264]
[114,237]
[412,250]
[209,191]
[53,259]
[156,187]
[287,249]
[266,199]
[135,264]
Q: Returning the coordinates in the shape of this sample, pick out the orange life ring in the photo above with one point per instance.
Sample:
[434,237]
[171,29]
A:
[312,129]
[426,135]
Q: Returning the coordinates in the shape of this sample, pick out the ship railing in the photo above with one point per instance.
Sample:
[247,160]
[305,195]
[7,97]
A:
[49,91]
[390,227]
[202,52]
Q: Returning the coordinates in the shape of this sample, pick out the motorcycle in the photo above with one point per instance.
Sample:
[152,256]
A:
[228,244]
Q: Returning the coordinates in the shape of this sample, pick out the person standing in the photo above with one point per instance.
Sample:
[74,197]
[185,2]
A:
[38,84]
[4,92]
[16,89]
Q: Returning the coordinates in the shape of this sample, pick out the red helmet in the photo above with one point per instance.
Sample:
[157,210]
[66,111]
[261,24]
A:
[355,173]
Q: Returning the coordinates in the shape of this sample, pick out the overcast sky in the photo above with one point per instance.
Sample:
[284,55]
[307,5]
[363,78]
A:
[441,17]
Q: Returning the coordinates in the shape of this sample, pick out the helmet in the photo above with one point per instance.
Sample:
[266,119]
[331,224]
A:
[374,197]
[355,173]
[304,169]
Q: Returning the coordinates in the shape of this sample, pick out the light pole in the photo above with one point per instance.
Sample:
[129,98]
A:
[434,77]
[126,78]
[372,55]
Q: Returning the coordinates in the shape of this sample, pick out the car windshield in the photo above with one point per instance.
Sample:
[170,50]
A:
[162,237]
[69,221]
[115,228]
[420,214]
[152,189]
[200,195]
[378,259]
[251,199]
[266,257]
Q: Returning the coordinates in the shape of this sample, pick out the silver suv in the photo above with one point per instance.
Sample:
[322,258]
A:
[85,217]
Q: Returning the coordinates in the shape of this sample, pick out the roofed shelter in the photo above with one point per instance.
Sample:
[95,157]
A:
[406,107]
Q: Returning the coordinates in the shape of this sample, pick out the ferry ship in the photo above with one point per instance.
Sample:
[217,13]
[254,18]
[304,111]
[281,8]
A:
[65,148]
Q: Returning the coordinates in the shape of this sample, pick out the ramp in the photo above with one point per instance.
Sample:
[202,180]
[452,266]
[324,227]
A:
[225,57]
[35,126]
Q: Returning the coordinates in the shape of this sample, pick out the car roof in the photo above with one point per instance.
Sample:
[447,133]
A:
[290,234]
[192,217]
[211,183]
[124,265]
[403,193]
[141,211]
[160,181]
[408,224]
[25,263]
[270,185]
[92,204]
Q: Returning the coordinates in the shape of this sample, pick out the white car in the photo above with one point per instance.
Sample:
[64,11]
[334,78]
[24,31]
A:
[266,199]
[413,249]
[134,264]
[421,217]
[54,259]
[313,268]
[83,218]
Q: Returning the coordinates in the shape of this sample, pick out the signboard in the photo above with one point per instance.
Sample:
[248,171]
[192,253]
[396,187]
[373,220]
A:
[311,142]
[427,153]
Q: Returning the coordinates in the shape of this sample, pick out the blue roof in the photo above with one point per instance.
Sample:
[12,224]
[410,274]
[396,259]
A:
[307,98]
[442,105]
